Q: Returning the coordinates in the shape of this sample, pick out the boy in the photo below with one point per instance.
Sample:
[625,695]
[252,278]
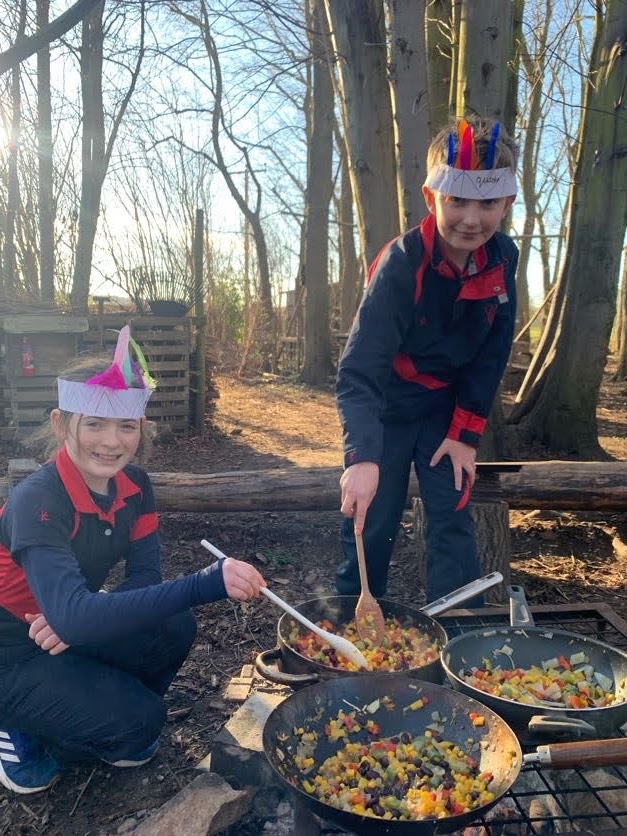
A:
[424,360]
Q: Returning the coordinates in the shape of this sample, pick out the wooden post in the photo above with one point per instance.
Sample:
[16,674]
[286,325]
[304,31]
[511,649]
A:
[490,515]
[101,302]
[201,325]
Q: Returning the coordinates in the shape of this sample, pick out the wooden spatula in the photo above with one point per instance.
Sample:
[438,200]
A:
[369,618]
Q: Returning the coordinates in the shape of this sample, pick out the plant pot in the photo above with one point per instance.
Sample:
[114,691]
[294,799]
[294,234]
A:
[168,307]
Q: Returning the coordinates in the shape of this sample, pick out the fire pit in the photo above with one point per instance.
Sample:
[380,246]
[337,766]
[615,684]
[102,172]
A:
[540,801]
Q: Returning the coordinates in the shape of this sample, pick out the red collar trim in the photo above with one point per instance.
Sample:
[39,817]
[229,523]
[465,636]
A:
[429,232]
[79,493]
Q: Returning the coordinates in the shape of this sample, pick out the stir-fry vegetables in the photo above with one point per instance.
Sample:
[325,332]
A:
[405,777]
[401,648]
[571,682]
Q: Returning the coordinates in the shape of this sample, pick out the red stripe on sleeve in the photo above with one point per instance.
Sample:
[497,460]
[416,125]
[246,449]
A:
[465,420]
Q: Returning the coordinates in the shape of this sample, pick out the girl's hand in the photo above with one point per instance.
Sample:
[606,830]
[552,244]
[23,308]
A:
[359,484]
[242,581]
[43,635]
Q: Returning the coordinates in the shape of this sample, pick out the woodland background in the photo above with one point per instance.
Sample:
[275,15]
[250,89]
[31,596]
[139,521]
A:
[247,159]
[228,154]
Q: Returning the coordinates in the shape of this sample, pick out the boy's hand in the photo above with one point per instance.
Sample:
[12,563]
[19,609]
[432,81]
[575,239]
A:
[359,484]
[43,635]
[462,458]
[241,580]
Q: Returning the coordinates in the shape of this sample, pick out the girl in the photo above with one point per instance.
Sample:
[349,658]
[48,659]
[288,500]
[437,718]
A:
[81,672]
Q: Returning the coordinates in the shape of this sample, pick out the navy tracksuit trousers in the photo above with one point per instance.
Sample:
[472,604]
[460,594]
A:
[451,554]
[103,702]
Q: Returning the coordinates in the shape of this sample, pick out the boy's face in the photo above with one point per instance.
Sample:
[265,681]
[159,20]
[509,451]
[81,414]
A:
[464,224]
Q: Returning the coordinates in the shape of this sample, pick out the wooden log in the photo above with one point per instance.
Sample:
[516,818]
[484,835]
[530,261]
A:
[494,543]
[553,485]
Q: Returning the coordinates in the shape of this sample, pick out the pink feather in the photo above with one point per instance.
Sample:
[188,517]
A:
[112,378]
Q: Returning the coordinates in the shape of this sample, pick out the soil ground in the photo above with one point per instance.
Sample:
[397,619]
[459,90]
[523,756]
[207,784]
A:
[558,557]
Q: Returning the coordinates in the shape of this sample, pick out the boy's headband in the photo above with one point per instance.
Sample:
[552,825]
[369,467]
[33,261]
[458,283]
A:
[109,394]
[461,177]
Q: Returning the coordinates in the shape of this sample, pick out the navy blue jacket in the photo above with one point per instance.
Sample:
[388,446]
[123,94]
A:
[58,544]
[423,326]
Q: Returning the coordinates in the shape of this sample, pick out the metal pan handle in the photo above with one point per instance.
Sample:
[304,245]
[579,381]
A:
[565,727]
[519,611]
[458,596]
[273,674]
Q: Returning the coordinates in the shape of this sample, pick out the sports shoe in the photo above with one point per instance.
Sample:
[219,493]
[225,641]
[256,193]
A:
[137,760]
[25,765]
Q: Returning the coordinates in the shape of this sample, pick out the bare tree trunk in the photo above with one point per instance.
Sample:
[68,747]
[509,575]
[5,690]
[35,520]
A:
[557,404]
[535,69]
[96,152]
[485,46]
[439,47]
[350,270]
[44,128]
[318,365]
[621,326]
[359,43]
[410,102]
[92,154]
[8,276]
[510,114]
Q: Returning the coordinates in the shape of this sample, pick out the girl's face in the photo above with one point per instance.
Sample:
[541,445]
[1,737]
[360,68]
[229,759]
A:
[99,447]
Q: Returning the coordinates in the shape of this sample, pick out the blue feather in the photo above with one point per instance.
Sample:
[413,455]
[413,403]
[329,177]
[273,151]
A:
[492,146]
[451,149]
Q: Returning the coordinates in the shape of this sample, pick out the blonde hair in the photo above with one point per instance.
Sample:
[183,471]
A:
[506,151]
[79,371]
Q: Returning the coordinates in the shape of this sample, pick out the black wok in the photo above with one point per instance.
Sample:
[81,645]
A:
[297,670]
[531,645]
[311,708]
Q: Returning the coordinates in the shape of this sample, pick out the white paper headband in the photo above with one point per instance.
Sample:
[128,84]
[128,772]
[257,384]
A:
[101,401]
[111,393]
[472,184]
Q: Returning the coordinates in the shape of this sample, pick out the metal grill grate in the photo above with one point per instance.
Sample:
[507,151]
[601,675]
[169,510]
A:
[556,801]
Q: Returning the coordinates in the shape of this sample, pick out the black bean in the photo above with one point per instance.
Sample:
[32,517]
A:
[361,718]
[378,810]
[406,737]
[384,761]
[363,767]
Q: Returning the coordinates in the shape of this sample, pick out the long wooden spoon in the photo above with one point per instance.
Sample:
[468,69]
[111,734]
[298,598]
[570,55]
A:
[369,618]
[341,645]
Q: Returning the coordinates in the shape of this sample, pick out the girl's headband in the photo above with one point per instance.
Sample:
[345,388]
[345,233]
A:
[460,176]
[110,394]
